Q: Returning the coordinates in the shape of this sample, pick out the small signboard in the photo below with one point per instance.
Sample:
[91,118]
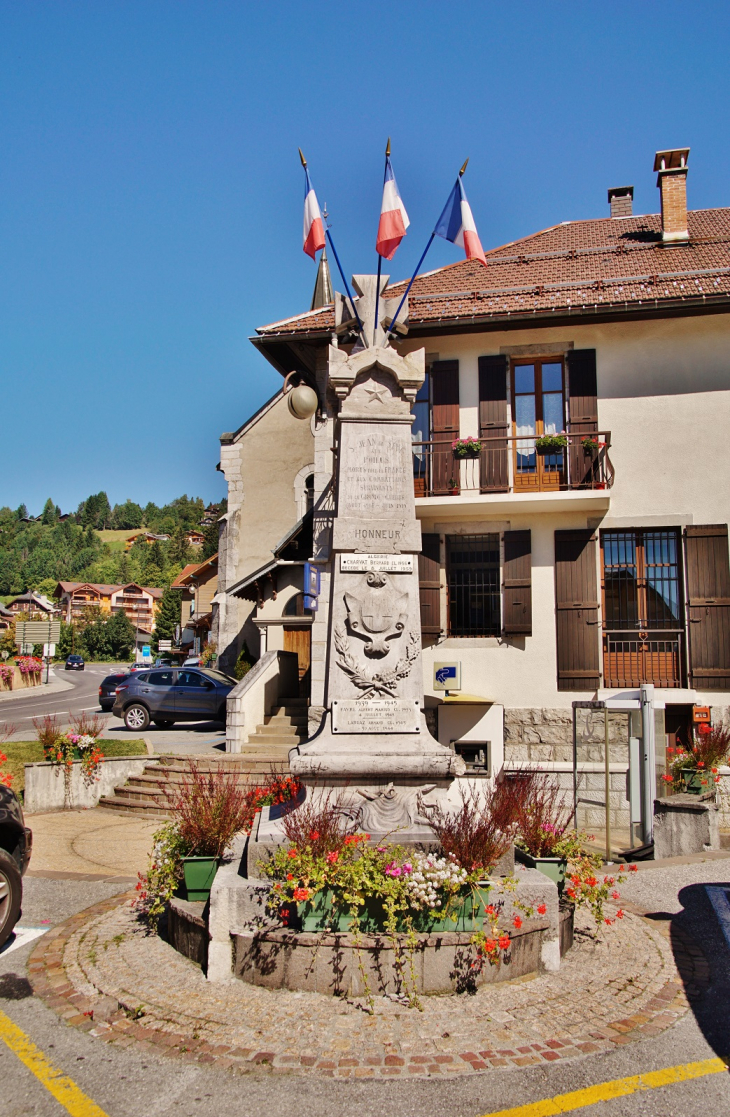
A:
[164,645]
[49,650]
[392,564]
[447,676]
[311,586]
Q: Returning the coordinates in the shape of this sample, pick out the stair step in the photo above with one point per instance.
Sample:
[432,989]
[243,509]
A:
[124,804]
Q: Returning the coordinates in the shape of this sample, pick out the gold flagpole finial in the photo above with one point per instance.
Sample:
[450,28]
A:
[460,172]
[387,149]
[304,161]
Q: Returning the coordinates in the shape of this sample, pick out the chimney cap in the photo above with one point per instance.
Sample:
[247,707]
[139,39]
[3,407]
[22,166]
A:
[620,192]
[674,159]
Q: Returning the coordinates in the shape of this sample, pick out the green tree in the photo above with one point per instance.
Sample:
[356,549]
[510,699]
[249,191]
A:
[168,617]
[120,635]
[179,550]
[21,512]
[127,516]
[210,544]
[48,515]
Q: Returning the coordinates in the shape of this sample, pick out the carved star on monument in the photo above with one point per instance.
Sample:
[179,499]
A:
[379,394]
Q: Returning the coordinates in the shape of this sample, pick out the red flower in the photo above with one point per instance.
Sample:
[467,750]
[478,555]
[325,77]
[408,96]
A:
[619,914]
[314,836]
[608,922]
[633,869]
[700,763]
[570,893]
[293,853]
[615,895]
[541,909]
[504,942]
[517,922]
[332,857]
[490,946]
[301,894]
[668,779]
[290,876]
[591,882]
[489,909]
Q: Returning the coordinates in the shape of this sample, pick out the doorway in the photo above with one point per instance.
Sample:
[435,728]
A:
[299,639]
[538,408]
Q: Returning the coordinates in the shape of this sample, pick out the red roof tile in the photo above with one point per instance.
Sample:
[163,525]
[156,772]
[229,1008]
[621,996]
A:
[607,262]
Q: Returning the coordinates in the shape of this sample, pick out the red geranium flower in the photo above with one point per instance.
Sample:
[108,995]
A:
[541,909]
[517,922]
[633,869]
[504,942]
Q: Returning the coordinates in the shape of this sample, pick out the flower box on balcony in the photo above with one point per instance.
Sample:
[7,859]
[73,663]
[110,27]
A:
[551,443]
[466,447]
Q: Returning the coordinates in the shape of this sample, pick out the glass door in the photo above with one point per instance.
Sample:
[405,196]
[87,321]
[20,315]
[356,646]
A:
[538,408]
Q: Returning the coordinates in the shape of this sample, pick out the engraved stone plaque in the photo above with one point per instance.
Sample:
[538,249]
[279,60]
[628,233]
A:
[360,564]
[376,715]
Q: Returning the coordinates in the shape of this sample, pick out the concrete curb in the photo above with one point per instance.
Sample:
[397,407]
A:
[55,686]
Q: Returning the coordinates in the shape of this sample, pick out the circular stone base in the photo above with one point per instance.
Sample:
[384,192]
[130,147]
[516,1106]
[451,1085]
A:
[339,964]
[609,991]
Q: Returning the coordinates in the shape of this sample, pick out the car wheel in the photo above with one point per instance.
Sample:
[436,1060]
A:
[163,723]
[136,717]
[11,894]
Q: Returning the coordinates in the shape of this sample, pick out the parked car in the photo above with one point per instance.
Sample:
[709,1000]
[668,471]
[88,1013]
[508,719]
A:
[138,667]
[192,661]
[167,695]
[74,663]
[16,843]
[108,688]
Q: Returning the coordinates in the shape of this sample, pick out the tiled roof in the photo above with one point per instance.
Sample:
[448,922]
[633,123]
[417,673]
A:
[106,589]
[592,265]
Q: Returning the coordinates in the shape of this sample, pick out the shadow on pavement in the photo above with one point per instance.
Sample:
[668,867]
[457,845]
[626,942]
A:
[702,957]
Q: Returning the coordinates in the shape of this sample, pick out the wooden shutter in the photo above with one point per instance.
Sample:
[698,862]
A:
[582,410]
[444,422]
[493,423]
[708,605]
[429,584]
[517,583]
[576,609]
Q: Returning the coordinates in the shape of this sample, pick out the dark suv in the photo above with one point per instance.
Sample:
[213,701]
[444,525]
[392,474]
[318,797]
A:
[16,842]
[168,694]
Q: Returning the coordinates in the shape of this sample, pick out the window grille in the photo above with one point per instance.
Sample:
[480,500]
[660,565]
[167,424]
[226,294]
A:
[473,581]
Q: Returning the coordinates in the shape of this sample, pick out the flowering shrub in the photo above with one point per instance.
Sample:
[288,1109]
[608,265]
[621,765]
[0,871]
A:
[586,887]
[6,732]
[29,665]
[466,447]
[480,831]
[702,756]
[78,744]
[540,815]
[279,789]
[428,877]
[156,887]
[6,676]
[209,809]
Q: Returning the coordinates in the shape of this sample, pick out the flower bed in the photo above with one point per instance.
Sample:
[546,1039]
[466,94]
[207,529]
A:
[694,765]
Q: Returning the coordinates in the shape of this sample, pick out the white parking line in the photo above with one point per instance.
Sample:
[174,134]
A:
[720,899]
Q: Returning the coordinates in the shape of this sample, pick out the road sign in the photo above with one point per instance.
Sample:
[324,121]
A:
[37,632]
[164,645]
[49,650]
[447,676]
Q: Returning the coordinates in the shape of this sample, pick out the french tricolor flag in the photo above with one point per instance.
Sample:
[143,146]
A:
[456,224]
[313,224]
[393,217]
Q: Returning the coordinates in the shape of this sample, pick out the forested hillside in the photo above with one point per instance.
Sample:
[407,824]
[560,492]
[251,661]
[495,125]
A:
[36,554]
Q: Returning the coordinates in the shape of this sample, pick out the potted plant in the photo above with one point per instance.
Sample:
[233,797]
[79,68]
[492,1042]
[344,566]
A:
[551,443]
[210,809]
[466,447]
[694,767]
[453,486]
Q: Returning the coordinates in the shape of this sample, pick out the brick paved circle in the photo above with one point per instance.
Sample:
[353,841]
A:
[101,972]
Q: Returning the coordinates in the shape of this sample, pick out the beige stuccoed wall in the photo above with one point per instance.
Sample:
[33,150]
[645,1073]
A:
[664,393]
[261,467]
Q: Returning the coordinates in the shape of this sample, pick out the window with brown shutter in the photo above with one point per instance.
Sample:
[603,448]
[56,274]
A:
[582,411]
[429,584]
[576,610]
[494,465]
[517,583]
[708,605]
[444,422]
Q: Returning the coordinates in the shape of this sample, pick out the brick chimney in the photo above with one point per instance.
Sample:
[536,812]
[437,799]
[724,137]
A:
[672,182]
[621,201]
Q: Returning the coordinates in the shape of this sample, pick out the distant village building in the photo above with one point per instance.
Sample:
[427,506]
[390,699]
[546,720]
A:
[199,584]
[145,537]
[140,603]
[32,604]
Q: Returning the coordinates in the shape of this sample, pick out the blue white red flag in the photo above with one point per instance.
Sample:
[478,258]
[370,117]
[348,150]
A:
[313,224]
[393,217]
[456,224]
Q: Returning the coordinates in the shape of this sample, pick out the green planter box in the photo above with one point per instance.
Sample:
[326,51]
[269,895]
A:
[465,913]
[692,781]
[199,874]
[553,867]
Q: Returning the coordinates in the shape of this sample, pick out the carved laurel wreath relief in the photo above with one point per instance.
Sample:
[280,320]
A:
[382,683]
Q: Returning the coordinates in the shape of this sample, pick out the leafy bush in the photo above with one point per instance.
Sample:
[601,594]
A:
[244,663]
[481,829]
[209,809]
[48,730]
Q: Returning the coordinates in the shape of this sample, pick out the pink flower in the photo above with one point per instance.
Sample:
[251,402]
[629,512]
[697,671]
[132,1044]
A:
[332,857]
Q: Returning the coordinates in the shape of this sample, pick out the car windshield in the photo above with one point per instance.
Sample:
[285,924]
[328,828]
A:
[114,680]
[219,677]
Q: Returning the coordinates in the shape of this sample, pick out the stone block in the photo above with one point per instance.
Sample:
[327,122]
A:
[685,824]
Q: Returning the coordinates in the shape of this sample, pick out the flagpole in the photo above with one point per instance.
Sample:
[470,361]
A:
[418,268]
[380,258]
[328,236]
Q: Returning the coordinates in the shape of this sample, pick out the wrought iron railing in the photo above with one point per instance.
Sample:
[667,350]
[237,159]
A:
[513,463]
[633,658]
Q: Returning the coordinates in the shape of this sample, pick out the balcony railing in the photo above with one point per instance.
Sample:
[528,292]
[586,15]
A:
[513,464]
[633,658]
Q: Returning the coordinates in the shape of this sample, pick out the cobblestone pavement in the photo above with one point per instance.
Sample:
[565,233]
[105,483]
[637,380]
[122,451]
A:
[102,973]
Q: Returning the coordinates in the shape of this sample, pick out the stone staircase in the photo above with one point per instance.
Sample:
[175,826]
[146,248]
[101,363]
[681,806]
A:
[267,749]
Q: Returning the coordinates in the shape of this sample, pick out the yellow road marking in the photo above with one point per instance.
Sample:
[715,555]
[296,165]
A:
[55,1081]
[618,1088]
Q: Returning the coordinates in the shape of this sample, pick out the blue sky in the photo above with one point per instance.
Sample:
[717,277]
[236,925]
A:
[151,194]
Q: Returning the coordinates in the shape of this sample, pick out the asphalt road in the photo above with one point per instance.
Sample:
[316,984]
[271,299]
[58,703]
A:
[126,1083]
[83,694]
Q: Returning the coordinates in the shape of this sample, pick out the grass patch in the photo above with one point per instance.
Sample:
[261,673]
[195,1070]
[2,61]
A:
[20,753]
[117,538]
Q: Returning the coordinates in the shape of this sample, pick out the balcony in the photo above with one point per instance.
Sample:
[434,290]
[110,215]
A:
[633,658]
[513,467]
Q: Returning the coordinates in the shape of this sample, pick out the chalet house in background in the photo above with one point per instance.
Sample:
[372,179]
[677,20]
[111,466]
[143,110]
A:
[583,549]
[140,603]
[199,583]
[31,604]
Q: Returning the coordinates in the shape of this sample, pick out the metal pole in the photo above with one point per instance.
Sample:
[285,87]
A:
[575,769]
[648,763]
[607,770]
[377,297]
[410,284]
[347,286]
